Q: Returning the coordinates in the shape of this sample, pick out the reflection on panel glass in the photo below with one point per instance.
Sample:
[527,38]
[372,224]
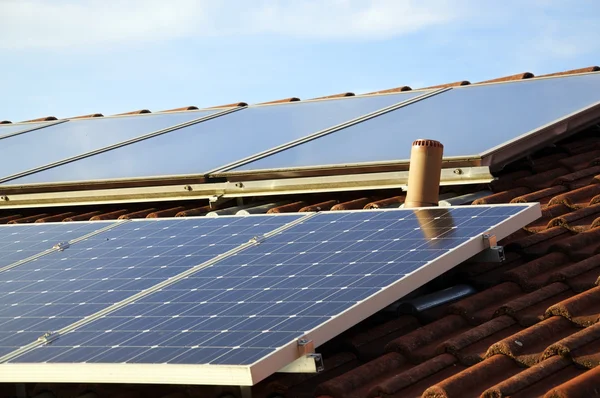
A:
[51,144]
[468,121]
[200,148]
[8,129]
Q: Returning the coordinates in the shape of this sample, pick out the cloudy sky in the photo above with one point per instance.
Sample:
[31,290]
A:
[72,57]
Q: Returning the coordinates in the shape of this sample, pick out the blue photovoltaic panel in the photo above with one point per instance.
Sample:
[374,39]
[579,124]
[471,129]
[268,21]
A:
[247,305]
[76,137]
[7,129]
[220,141]
[20,241]
[60,288]
[478,118]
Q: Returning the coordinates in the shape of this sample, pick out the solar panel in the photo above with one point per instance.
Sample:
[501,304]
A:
[239,319]
[21,241]
[62,287]
[478,118]
[75,137]
[222,140]
[9,129]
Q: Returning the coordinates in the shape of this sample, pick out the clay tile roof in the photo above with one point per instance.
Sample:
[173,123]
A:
[341,95]
[281,101]
[5,122]
[91,115]
[392,90]
[233,105]
[573,71]
[455,84]
[184,108]
[41,119]
[530,329]
[138,112]
[518,76]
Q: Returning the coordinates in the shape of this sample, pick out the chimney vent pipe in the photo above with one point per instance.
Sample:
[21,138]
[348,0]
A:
[424,173]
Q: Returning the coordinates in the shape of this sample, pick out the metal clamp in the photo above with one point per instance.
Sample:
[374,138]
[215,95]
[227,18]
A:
[492,252]
[61,246]
[48,337]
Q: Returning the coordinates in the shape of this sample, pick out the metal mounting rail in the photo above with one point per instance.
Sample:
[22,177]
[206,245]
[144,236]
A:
[120,144]
[27,130]
[60,246]
[56,334]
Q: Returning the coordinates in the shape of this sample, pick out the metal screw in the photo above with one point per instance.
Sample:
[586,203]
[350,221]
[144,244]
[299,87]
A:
[458,171]
[239,185]
[188,188]
[4,198]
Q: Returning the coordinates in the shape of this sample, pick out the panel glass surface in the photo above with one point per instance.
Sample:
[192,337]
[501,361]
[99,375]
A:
[7,129]
[76,137]
[246,306]
[60,288]
[200,148]
[20,241]
[468,121]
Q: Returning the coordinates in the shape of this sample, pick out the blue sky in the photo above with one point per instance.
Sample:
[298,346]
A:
[68,58]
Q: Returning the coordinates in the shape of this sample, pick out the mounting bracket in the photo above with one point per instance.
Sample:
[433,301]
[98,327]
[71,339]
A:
[492,253]
[308,360]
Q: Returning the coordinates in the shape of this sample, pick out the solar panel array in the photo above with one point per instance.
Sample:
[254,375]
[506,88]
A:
[375,129]
[226,290]
[220,141]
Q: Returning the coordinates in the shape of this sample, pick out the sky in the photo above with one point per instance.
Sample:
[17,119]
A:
[67,58]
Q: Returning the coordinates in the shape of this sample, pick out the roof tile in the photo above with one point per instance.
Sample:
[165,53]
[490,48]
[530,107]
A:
[322,206]
[542,180]
[502,197]
[573,71]
[474,380]
[518,76]
[584,385]
[583,308]
[543,196]
[528,345]
[577,198]
[530,308]
[527,378]
[481,307]
[578,343]
[424,343]
[537,273]
[400,381]
[471,346]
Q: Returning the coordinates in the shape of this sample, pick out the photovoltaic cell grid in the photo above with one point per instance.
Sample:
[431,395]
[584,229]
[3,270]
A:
[245,306]
[20,241]
[60,288]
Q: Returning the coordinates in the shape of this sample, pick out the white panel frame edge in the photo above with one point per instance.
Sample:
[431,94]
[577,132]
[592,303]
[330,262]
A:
[248,375]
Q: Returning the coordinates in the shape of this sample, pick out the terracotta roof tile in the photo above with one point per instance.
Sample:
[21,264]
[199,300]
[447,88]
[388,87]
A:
[537,273]
[281,101]
[481,307]
[322,206]
[573,344]
[138,112]
[471,346]
[91,115]
[474,380]
[425,343]
[544,371]
[232,105]
[518,76]
[530,308]
[398,382]
[573,71]
[528,345]
[583,309]
[181,109]
[391,90]
[584,385]
[455,84]
[40,119]
[340,95]
[503,197]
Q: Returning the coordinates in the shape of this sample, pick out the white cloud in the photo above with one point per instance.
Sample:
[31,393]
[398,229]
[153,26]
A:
[91,23]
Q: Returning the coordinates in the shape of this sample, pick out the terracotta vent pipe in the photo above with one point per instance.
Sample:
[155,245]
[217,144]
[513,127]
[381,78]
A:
[424,173]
